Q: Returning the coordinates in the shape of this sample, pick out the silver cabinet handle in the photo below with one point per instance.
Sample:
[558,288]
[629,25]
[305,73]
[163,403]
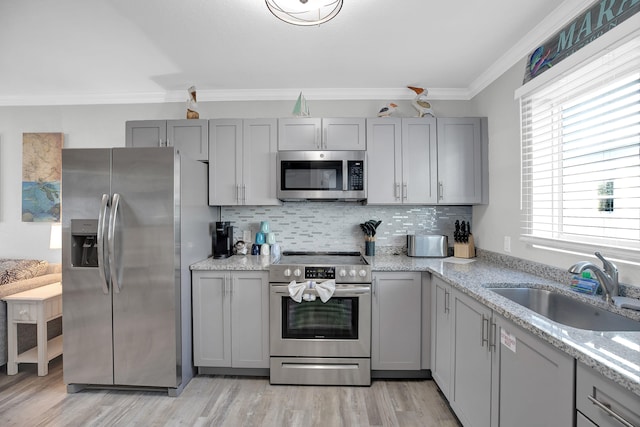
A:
[447,302]
[244,194]
[440,190]
[485,327]
[111,238]
[607,409]
[318,139]
[324,138]
[102,261]
[404,191]
[396,190]
[492,338]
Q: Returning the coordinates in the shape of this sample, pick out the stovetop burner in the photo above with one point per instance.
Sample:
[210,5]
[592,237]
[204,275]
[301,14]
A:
[322,258]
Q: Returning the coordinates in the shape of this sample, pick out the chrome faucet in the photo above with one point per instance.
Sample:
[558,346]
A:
[608,276]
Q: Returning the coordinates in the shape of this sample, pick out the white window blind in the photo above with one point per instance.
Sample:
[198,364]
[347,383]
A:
[581,157]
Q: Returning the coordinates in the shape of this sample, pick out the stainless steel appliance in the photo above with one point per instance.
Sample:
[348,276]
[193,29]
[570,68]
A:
[427,245]
[222,240]
[321,175]
[312,342]
[133,219]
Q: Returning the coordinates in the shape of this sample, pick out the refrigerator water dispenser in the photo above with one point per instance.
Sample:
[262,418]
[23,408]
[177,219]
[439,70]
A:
[84,242]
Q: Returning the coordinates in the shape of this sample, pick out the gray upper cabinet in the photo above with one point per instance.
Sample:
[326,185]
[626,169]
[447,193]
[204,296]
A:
[191,137]
[314,133]
[462,158]
[242,162]
[401,157]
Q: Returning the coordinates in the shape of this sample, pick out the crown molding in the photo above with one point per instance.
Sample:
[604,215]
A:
[337,94]
[552,23]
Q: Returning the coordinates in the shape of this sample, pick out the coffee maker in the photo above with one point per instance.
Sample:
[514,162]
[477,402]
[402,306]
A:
[222,238]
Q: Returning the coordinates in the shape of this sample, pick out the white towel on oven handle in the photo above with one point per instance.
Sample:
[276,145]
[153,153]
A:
[296,290]
[324,289]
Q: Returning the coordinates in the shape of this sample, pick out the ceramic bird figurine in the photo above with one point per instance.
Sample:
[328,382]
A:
[420,102]
[387,110]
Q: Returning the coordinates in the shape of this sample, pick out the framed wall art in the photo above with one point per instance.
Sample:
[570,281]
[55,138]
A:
[41,176]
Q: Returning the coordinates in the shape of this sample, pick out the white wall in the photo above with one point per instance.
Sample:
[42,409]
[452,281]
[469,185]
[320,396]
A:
[502,216]
[91,126]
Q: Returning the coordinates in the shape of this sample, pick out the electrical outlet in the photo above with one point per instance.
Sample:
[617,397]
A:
[507,243]
[246,236]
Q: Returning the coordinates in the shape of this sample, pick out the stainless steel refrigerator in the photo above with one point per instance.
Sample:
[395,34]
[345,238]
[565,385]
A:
[133,219]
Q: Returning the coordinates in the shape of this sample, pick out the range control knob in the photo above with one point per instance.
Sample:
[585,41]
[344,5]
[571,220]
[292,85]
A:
[297,272]
[287,272]
[342,273]
[363,273]
[352,273]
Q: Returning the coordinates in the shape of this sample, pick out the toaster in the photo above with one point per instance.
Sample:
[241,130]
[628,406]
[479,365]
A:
[427,245]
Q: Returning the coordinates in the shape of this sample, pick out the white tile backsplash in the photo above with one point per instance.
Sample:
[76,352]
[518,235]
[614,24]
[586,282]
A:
[324,226]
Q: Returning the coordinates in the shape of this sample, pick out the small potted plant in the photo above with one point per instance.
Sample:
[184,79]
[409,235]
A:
[369,229]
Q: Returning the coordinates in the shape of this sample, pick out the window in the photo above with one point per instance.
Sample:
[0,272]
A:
[581,157]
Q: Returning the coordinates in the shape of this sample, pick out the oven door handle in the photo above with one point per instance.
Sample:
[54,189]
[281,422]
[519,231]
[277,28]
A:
[354,291]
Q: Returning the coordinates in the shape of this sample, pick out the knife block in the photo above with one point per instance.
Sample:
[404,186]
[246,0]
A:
[465,250]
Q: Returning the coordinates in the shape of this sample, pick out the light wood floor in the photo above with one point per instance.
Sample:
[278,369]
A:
[28,400]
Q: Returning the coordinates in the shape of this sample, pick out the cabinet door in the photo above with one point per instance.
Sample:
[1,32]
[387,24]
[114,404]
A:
[471,389]
[459,160]
[146,133]
[211,319]
[532,381]
[396,321]
[191,137]
[300,133]
[343,134]
[250,319]
[225,162]
[419,160]
[384,155]
[441,330]
[425,363]
[259,162]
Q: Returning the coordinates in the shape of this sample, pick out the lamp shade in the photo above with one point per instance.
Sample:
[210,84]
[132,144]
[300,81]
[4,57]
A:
[304,12]
[55,241]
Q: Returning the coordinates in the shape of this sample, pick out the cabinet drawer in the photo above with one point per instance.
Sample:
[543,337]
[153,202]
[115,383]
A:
[598,398]
[24,312]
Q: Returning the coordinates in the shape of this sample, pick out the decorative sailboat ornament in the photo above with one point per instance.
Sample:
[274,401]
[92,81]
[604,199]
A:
[301,109]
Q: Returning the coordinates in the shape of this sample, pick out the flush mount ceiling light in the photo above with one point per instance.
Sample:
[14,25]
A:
[304,12]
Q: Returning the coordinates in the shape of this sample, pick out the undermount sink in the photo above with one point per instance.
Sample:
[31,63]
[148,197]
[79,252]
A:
[568,311]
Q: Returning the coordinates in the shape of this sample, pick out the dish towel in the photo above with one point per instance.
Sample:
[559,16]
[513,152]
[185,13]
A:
[324,289]
[296,290]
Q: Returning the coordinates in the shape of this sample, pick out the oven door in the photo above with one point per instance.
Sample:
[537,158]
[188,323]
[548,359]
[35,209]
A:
[341,327]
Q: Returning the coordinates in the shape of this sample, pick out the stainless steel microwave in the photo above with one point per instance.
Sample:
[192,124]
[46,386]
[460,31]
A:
[321,175]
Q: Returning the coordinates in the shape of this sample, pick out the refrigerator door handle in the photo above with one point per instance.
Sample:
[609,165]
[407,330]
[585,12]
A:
[111,242]
[102,262]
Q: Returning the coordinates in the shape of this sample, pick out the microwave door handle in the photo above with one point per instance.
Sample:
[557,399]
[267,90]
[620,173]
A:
[102,260]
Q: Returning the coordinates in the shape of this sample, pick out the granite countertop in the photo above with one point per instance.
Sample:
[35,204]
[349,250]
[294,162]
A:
[616,355]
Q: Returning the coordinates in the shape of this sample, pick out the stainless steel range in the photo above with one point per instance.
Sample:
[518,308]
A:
[316,342]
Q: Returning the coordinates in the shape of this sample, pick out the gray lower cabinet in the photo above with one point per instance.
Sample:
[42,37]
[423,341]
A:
[601,402]
[471,375]
[191,137]
[441,332]
[230,319]
[532,382]
[493,372]
[396,329]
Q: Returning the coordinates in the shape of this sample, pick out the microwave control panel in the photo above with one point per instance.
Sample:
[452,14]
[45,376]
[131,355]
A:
[355,172]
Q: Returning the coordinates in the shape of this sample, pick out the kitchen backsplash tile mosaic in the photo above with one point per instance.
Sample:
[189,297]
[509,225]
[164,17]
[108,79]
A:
[335,226]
